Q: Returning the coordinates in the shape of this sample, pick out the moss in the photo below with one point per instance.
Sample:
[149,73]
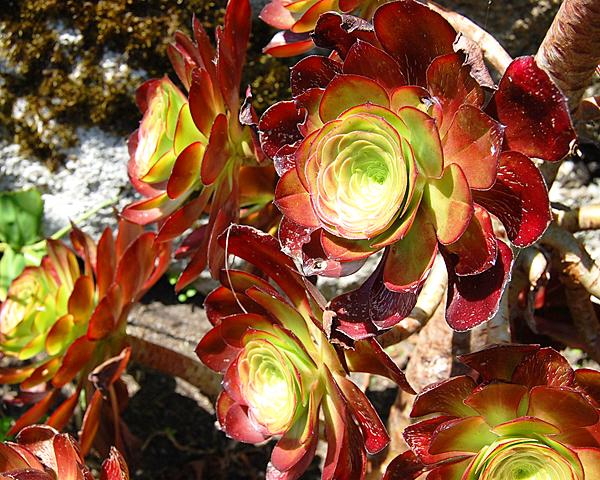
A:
[56,58]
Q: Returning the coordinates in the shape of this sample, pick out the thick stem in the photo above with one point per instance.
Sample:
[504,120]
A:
[578,219]
[175,364]
[570,51]
[583,314]
[575,258]
[580,276]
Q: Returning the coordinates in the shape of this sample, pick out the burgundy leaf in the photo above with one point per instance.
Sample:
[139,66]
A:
[338,32]
[264,251]
[202,100]
[534,111]
[474,299]
[234,421]
[451,83]
[361,313]
[279,127]
[477,248]
[368,356]
[544,367]
[217,151]
[519,198]
[313,72]
[497,362]
[445,397]
[375,435]
[404,467]
[414,35]
[371,62]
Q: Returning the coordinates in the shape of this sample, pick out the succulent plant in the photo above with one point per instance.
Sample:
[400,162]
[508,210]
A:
[67,320]
[390,145]
[198,152]
[41,453]
[282,377]
[297,19]
[527,414]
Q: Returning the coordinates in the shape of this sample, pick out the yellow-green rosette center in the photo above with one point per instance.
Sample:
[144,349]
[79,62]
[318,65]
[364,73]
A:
[362,181]
[269,384]
[524,459]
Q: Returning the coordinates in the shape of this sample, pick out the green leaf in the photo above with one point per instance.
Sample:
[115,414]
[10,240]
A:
[21,217]
[6,423]
[11,265]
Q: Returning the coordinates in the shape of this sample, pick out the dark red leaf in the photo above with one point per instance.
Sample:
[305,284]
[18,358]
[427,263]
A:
[279,127]
[404,467]
[108,372]
[205,48]
[477,248]
[544,367]
[367,356]
[264,252]
[314,71]
[217,151]
[445,397]
[338,32]
[474,141]
[114,467]
[234,421]
[91,422]
[374,433]
[414,35]
[202,100]
[534,111]
[474,299]
[369,61]
[361,313]
[419,436]
[183,218]
[519,198]
[451,83]
[497,362]
[186,170]
[232,43]
[214,352]
[105,269]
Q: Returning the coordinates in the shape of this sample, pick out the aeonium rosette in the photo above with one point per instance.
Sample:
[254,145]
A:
[68,316]
[527,414]
[197,153]
[282,377]
[390,145]
[39,452]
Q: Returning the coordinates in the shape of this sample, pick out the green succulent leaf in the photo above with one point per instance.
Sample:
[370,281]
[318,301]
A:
[21,217]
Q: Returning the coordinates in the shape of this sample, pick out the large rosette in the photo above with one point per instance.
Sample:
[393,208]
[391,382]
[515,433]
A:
[196,155]
[282,377]
[528,415]
[68,319]
[390,144]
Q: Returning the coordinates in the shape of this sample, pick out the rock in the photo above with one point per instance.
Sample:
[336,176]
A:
[94,173]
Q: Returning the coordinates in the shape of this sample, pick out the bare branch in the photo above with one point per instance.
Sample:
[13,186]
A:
[576,260]
[579,219]
[583,314]
[570,52]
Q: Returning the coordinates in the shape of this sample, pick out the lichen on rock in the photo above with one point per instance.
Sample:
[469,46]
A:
[70,63]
